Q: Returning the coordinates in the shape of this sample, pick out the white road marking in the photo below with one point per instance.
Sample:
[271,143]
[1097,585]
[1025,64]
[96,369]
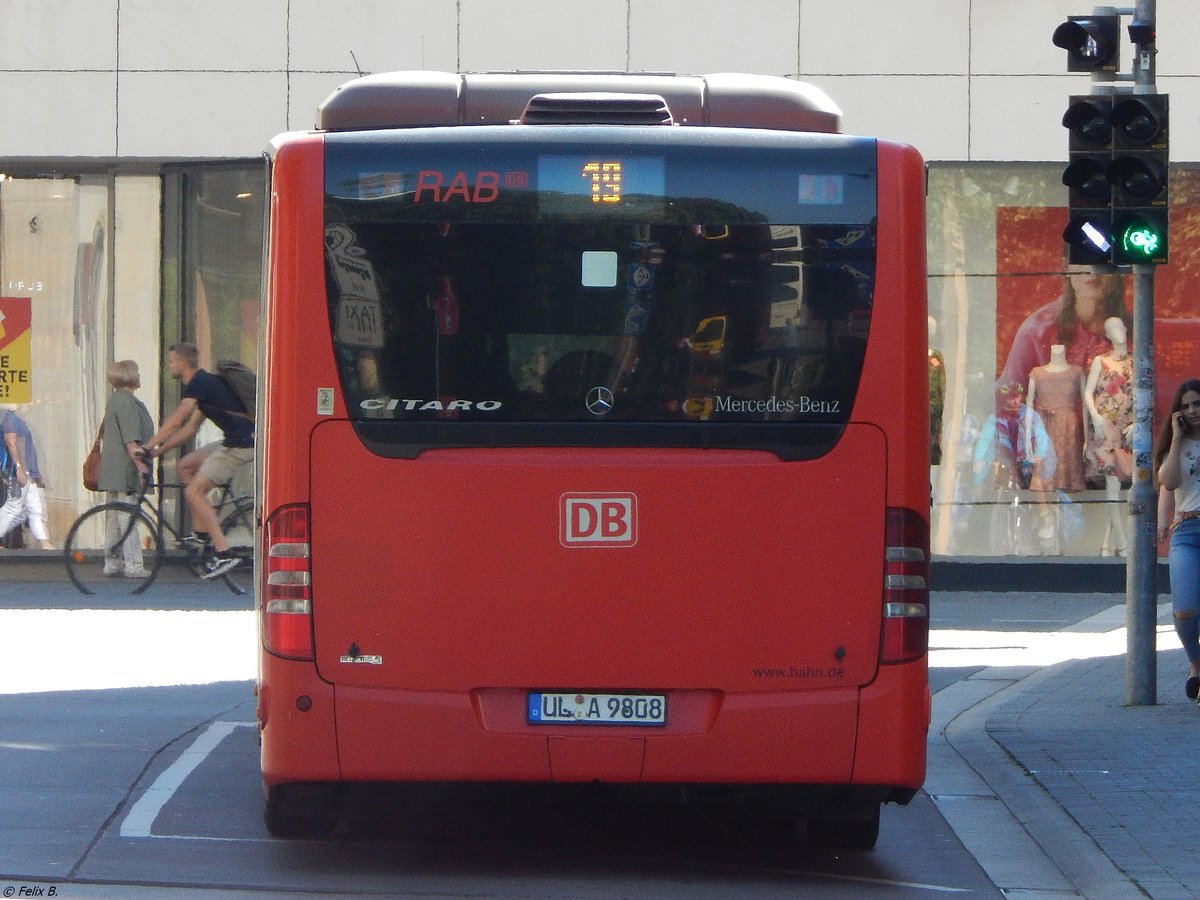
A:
[140,819]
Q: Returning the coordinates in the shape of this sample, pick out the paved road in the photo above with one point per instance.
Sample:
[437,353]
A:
[128,756]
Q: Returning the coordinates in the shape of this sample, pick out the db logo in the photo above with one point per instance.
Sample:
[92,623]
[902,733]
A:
[597,520]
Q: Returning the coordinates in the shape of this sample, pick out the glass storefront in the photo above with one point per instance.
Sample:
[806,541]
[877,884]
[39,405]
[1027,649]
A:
[118,265]
[213,263]
[1030,399]
[115,264]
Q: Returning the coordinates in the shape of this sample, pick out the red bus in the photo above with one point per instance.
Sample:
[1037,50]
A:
[594,445]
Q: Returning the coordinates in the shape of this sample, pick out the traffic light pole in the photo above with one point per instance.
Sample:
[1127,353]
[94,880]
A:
[1141,582]
[1141,571]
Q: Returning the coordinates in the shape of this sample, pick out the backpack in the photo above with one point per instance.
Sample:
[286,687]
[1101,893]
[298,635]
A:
[243,382]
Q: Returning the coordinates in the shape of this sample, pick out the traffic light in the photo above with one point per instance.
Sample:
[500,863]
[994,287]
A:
[1092,43]
[1089,224]
[1138,173]
[1116,174]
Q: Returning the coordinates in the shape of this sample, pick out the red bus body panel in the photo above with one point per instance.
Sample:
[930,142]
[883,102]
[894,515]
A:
[751,596]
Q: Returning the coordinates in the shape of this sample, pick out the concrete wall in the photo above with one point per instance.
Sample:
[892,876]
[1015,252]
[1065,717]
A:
[959,79]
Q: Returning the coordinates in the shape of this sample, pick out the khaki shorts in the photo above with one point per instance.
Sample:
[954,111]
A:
[223,462]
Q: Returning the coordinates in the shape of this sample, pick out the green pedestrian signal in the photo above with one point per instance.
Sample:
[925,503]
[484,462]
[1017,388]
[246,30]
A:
[1139,176]
[1140,238]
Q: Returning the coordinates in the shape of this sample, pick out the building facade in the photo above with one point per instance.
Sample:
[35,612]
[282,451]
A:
[132,188]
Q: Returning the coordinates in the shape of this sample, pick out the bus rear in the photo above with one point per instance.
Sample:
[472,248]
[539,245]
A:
[594,448]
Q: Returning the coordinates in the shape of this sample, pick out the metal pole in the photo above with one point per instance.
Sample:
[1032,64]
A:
[1141,589]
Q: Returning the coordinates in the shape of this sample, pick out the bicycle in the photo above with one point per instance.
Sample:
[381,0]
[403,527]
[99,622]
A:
[85,549]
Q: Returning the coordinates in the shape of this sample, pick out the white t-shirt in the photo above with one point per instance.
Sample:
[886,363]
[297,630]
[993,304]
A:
[1187,495]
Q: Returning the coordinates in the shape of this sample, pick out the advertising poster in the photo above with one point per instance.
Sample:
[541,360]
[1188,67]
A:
[1030,283]
[16,371]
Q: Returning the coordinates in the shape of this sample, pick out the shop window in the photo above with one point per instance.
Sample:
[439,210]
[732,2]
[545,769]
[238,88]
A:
[1014,337]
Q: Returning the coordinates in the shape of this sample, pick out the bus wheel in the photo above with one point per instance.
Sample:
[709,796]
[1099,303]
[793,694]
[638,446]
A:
[287,814]
[859,833]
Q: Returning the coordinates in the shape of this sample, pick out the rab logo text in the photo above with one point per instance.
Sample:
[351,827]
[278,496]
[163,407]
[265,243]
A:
[597,520]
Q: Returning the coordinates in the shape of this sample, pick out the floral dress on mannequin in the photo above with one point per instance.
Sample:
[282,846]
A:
[1107,451]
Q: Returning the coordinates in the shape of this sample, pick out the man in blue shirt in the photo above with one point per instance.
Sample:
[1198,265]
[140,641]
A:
[25,500]
[205,396]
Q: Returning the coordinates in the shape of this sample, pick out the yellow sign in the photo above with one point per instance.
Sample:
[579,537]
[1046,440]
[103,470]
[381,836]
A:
[16,371]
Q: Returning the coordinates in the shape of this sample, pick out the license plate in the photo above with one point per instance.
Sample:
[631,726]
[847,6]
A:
[572,708]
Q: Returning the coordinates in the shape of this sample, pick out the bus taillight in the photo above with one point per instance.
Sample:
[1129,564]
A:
[905,587]
[286,589]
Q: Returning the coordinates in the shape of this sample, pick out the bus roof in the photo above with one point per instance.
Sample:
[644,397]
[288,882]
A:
[424,99]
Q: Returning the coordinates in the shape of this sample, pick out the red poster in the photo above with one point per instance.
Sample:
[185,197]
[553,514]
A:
[1030,266]
[16,315]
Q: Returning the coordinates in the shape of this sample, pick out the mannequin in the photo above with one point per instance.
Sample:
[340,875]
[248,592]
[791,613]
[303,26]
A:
[1056,394]
[1108,396]
[1058,358]
[937,395]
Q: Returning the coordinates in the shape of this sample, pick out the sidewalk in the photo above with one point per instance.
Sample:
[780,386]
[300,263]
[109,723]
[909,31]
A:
[1100,798]
[1126,775]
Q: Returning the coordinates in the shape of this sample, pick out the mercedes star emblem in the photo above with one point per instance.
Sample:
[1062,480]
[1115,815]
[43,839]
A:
[599,401]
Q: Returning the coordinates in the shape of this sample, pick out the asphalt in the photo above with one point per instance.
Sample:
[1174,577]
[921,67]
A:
[1054,784]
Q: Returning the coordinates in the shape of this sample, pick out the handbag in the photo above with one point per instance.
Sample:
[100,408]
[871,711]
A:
[91,464]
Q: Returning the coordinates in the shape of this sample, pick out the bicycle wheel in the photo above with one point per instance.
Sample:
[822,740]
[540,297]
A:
[238,528]
[96,563]
[237,522]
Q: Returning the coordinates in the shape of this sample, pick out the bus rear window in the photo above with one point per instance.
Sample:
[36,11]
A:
[553,302]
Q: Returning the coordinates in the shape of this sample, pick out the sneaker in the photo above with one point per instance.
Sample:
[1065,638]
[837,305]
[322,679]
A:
[137,573]
[112,569]
[194,540]
[219,565]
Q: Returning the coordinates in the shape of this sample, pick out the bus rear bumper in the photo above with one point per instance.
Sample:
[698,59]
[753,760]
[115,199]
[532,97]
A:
[843,736]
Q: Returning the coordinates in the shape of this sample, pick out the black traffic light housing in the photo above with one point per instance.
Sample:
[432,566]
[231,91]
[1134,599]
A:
[1119,146]
[1142,32]
[1088,237]
[1089,121]
[1088,234]
[1092,43]
[1138,173]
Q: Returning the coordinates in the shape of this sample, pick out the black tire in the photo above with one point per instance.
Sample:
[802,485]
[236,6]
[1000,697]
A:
[299,811]
[859,833]
[86,555]
[238,528]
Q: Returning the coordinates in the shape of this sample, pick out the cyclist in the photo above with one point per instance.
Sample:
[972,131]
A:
[206,396]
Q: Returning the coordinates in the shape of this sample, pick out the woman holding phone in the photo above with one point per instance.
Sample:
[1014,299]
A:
[1178,464]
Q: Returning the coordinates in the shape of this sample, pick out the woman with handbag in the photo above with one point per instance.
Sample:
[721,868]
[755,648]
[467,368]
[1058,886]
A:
[127,424]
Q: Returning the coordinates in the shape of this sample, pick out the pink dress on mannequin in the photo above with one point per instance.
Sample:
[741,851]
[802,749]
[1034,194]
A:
[1059,402]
